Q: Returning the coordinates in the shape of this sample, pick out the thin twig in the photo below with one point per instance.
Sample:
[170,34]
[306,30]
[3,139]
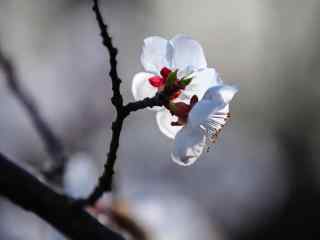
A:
[52,143]
[105,181]
[157,101]
[107,42]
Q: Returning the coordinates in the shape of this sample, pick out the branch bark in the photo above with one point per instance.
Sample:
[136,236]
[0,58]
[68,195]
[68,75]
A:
[105,181]
[28,192]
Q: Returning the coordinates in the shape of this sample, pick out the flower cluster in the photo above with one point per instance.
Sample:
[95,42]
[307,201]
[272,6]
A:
[179,64]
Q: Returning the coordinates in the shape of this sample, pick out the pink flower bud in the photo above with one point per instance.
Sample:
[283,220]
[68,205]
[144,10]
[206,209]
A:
[156,81]
[165,72]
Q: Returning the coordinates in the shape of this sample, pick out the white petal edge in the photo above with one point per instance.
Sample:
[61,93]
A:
[221,93]
[188,146]
[216,99]
[141,88]
[164,119]
[201,82]
[156,53]
[187,52]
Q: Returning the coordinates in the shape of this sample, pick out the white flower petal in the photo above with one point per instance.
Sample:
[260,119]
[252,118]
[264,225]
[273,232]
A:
[201,82]
[185,72]
[189,145]
[187,52]
[164,119]
[221,93]
[141,88]
[202,111]
[211,113]
[156,54]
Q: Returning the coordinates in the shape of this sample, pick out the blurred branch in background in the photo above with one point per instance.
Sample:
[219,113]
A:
[127,224]
[52,143]
[28,192]
[59,210]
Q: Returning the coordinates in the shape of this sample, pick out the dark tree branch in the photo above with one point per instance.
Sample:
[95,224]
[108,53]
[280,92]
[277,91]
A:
[107,42]
[23,189]
[52,143]
[158,100]
[28,192]
[105,181]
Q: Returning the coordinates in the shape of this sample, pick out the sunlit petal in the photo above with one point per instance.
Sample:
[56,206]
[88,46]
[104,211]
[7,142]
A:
[164,119]
[201,82]
[141,88]
[188,146]
[202,111]
[187,52]
[221,93]
[156,54]
[215,102]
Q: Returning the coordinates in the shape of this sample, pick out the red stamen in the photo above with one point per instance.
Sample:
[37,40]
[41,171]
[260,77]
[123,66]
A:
[156,81]
[165,72]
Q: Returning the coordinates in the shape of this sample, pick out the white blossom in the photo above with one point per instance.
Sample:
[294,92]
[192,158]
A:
[205,121]
[183,54]
[191,123]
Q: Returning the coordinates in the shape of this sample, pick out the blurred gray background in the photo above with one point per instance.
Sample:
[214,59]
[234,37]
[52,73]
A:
[259,181]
